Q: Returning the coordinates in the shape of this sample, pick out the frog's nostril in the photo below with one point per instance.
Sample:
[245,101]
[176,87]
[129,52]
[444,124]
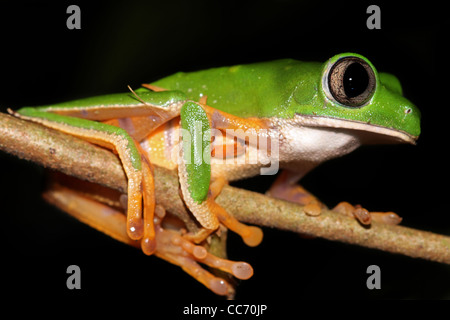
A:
[408,111]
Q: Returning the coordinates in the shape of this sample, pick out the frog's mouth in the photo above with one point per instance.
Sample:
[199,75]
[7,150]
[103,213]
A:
[367,133]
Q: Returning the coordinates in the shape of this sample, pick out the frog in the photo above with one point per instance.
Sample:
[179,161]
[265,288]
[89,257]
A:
[225,124]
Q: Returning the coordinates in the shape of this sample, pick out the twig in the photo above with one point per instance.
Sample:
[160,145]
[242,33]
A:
[78,158]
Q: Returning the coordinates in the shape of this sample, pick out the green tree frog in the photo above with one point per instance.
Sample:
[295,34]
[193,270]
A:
[225,124]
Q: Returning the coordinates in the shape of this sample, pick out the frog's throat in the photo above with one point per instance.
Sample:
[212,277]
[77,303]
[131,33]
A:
[370,132]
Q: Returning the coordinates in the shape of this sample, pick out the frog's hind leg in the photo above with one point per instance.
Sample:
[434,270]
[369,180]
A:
[175,248]
[148,243]
[110,137]
[88,210]
[170,245]
[121,127]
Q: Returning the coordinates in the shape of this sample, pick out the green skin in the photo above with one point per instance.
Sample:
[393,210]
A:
[281,88]
[285,87]
[197,167]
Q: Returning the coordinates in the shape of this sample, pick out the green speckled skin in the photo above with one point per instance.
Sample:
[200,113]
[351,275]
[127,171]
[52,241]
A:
[194,122]
[281,88]
[254,90]
[285,87]
[120,99]
[87,124]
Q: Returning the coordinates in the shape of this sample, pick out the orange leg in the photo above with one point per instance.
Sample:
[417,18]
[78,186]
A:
[217,186]
[285,188]
[364,216]
[148,242]
[170,245]
[251,235]
[153,88]
[176,249]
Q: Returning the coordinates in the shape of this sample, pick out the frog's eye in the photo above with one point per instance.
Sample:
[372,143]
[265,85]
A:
[351,81]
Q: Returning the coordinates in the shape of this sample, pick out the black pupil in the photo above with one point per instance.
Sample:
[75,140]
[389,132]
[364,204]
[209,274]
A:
[355,80]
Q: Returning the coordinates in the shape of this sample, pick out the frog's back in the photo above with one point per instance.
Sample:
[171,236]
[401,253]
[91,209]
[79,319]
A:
[252,90]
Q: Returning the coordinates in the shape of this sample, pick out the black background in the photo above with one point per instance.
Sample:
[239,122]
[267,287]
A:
[127,43]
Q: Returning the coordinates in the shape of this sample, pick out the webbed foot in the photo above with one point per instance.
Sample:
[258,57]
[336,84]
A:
[364,216]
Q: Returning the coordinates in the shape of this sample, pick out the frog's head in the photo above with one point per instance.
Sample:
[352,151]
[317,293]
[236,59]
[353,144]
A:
[353,93]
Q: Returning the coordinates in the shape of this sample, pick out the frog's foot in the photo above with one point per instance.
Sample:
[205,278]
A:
[169,244]
[364,216]
[251,235]
[175,248]
[199,236]
[283,188]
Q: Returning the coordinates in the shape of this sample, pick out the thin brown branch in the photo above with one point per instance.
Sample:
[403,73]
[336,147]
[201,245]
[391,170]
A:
[78,158]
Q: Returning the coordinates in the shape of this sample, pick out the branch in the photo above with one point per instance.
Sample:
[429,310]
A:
[83,160]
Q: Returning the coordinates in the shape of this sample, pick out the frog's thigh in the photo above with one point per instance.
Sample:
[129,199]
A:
[109,137]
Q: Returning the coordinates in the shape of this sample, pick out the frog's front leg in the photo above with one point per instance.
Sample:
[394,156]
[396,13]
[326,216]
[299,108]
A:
[366,217]
[195,177]
[286,188]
